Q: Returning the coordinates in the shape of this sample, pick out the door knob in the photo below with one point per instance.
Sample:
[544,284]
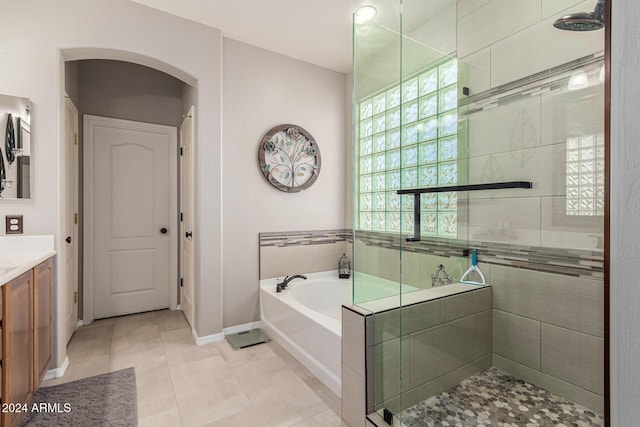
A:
[188,234]
[163,230]
[68,239]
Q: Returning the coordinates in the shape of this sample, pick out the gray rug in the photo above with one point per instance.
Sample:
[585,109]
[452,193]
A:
[104,400]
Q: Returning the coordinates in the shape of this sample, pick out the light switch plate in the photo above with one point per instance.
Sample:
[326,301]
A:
[13,224]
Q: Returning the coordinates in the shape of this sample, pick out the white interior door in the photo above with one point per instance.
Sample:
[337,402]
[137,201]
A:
[70,218]
[186,209]
[131,168]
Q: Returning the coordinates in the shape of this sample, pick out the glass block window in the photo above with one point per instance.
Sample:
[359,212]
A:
[407,138]
[585,176]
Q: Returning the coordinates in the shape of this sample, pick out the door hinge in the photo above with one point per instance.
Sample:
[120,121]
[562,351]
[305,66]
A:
[75,218]
[75,297]
[181,282]
[181,216]
[181,151]
[75,139]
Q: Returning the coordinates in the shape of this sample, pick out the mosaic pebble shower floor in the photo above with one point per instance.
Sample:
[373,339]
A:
[495,398]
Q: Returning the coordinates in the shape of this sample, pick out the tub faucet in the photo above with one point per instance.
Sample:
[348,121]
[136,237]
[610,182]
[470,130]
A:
[285,282]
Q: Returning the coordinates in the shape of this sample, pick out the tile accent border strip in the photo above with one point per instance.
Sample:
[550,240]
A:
[568,262]
[310,237]
[587,264]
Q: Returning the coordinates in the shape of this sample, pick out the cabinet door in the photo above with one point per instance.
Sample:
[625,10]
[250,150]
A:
[17,344]
[42,278]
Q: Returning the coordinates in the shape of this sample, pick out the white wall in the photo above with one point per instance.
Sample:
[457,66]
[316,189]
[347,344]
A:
[625,207]
[36,37]
[261,90]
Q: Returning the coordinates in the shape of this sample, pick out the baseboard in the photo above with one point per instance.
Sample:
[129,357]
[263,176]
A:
[208,339]
[57,372]
[241,328]
[226,331]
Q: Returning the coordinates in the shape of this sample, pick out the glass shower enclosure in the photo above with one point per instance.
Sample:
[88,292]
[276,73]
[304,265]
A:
[416,245]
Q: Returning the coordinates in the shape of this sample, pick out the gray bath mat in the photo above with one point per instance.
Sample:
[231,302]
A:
[104,400]
[247,338]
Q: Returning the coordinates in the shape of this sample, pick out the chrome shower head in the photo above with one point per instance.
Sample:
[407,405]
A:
[583,21]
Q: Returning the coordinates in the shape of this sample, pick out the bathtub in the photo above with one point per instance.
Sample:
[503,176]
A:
[305,319]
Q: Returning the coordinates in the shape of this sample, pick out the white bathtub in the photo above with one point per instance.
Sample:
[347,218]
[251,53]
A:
[305,319]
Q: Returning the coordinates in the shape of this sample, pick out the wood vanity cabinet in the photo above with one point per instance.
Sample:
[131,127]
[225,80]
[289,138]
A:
[42,339]
[17,345]
[26,338]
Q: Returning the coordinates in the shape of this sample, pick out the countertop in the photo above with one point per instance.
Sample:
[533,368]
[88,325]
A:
[20,253]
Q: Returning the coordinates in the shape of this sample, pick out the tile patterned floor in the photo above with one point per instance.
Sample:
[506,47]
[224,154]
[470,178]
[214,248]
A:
[495,398]
[181,384]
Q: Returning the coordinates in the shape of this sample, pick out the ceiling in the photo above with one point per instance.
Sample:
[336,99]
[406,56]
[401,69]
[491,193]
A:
[314,31]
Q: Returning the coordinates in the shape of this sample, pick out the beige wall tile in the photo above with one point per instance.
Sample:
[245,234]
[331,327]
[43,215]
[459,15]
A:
[553,7]
[414,318]
[441,349]
[519,129]
[527,52]
[560,230]
[544,166]
[468,303]
[377,261]
[390,361]
[478,326]
[573,357]
[353,341]
[570,302]
[576,394]
[495,21]
[423,316]
[516,338]
[478,68]
[326,256]
[422,392]
[514,221]
[568,114]
[280,261]
[454,377]
[465,7]
[438,32]
[418,268]
[353,398]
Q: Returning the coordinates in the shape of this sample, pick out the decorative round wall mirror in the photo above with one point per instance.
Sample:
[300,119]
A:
[289,158]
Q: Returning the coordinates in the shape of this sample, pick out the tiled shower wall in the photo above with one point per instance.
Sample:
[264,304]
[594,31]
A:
[548,323]
[298,252]
[504,41]
[548,329]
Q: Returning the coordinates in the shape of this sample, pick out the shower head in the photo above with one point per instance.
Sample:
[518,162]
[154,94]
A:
[583,21]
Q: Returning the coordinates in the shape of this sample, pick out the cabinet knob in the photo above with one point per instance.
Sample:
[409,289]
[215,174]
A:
[163,230]
[68,239]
